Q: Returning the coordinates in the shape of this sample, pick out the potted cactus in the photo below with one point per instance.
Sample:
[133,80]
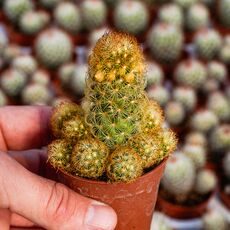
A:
[113,147]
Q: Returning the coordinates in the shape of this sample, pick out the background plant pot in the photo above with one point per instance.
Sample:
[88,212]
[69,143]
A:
[133,202]
[183,212]
[225,198]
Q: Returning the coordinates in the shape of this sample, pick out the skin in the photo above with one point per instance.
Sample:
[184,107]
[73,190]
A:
[26,198]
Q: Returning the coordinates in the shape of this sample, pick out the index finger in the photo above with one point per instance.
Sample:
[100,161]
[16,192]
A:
[24,127]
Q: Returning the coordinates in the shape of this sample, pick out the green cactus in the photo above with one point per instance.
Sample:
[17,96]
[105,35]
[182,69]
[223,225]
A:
[197,154]
[53,48]
[10,52]
[224,54]
[67,15]
[96,34]
[185,4]
[208,43]
[158,93]
[204,120]
[191,73]
[12,82]
[217,71]
[36,94]
[226,164]
[131,17]
[112,3]
[197,17]
[88,158]
[179,175]
[171,13]
[165,42]
[3,98]
[94,13]
[196,138]
[186,96]
[49,4]
[40,77]
[26,64]
[65,73]
[124,165]
[206,182]
[154,74]
[160,222]
[3,43]
[224,12]
[15,9]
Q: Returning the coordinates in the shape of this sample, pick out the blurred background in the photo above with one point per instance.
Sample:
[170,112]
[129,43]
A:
[44,47]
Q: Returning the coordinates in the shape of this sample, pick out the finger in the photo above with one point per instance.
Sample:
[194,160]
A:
[4,219]
[24,127]
[19,221]
[49,204]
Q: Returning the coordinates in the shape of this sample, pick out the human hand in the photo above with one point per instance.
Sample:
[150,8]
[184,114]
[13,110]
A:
[27,199]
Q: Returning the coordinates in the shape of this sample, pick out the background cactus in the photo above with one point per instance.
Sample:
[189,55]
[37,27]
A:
[49,4]
[226,165]
[65,73]
[3,98]
[160,222]
[53,48]
[131,16]
[154,74]
[224,54]
[185,4]
[40,77]
[196,138]
[217,71]
[224,12]
[165,42]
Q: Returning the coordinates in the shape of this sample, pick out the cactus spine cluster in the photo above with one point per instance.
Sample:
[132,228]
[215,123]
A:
[117,132]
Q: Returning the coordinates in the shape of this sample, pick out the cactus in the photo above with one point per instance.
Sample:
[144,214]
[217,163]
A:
[197,154]
[88,158]
[3,43]
[32,22]
[197,17]
[220,138]
[12,82]
[124,165]
[196,138]
[226,165]
[160,222]
[190,72]
[208,43]
[204,120]
[11,52]
[171,13]
[219,104]
[49,4]
[174,113]
[159,94]
[94,13]
[36,94]
[40,77]
[131,17]
[179,175]
[224,12]
[224,54]
[3,98]
[186,96]
[65,73]
[206,182]
[154,74]
[67,15]
[112,3]
[185,4]
[25,63]
[96,34]
[217,71]
[15,9]
[53,48]
[165,42]
[214,220]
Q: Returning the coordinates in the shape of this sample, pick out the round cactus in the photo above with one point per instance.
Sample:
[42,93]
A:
[12,82]
[204,120]
[3,43]
[131,16]
[112,3]
[174,113]
[185,4]
[67,15]
[190,72]
[208,43]
[53,48]
[213,220]
[217,71]
[224,12]
[65,73]
[158,93]
[171,13]
[196,153]
[96,34]
[3,98]
[179,175]
[165,42]
[25,63]
[220,105]
[197,17]
[77,81]
[36,94]
[205,182]
[186,96]
[15,9]
[89,158]
[32,22]
[196,138]
[11,52]
[124,165]
[226,164]
[49,4]
[40,77]
[220,138]
[224,54]
[154,74]
[94,13]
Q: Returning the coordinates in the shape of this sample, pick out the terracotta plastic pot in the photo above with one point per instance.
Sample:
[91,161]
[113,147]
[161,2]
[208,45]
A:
[225,198]
[133,202]
[182,212]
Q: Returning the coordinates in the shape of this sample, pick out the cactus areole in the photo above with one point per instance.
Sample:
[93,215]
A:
[114,147]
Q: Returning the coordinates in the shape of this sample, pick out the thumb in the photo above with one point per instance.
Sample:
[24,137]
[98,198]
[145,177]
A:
[49,204]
